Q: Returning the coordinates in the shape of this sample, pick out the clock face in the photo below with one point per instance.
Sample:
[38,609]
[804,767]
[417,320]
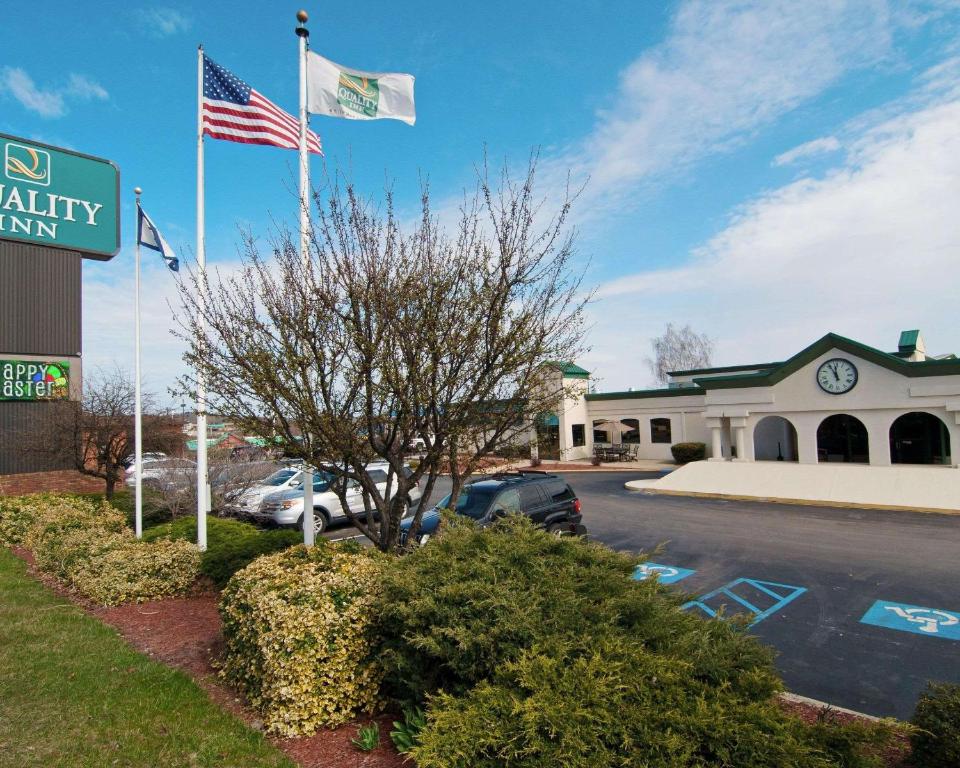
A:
[837,376]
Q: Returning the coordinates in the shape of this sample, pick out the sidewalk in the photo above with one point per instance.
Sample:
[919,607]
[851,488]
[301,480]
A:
[640,465]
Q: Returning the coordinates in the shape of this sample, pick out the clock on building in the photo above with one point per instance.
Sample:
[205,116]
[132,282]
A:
[837,376]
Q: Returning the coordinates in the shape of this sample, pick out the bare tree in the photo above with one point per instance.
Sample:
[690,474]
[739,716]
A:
[390,332]
[679,349]
[96,435]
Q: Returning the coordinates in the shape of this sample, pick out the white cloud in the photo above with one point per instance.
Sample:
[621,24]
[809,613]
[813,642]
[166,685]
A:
[83,88]
[48,102]
[163,22]
[809,149]
[724,71]
[866,250]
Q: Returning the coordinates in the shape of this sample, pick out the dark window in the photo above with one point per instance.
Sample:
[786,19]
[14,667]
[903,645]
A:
[660,431]
[508,502]
[530,496]
[630,431]
[599,436]
[472,502]
[579,435]
[377,475]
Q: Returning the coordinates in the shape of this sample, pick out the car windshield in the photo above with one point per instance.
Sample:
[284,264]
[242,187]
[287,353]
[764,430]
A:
[473,501]
[279,477]
[321,482]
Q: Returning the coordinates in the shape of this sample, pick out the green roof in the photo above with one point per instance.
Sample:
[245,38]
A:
[571,370]
[908,341]
[643,393]
[828,342]
[726,369]
[211,442]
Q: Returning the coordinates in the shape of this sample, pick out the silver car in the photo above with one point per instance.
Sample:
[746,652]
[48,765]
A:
[285,508]
[248,500]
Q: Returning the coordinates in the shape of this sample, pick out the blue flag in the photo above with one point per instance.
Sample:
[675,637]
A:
[149,237]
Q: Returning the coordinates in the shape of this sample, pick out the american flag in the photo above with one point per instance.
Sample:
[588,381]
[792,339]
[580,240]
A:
[233,111]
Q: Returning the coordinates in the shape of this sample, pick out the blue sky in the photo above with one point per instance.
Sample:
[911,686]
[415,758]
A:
[765,171]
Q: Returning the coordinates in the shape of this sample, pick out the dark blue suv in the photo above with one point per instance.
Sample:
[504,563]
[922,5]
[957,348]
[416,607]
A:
[548,500]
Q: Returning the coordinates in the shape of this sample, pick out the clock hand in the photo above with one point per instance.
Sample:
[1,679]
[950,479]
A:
[834,369]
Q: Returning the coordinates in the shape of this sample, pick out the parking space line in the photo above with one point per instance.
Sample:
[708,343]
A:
[782,594]
[903,617]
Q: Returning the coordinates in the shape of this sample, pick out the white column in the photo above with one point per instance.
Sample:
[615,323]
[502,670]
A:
[740,440]
[716,443]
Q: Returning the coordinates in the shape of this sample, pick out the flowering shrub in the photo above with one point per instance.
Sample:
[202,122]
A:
[87,545]
[298,627]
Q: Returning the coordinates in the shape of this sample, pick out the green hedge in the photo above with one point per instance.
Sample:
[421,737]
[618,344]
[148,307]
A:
[231,544]
[936,742]
[531,650]
[87,545]
[684,453]
[298,626]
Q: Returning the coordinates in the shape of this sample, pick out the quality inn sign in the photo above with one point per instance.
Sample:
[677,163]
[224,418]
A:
[59,198]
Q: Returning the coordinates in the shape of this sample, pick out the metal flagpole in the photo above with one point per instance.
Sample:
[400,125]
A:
[203,494]
[138,398]
[303,33]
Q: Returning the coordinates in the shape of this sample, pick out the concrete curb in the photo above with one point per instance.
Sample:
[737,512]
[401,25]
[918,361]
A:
[794,698]
[637,485]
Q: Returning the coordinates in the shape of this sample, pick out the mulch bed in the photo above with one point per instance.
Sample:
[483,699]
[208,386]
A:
[184,633]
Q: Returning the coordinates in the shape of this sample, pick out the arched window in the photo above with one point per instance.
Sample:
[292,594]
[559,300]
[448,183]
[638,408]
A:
[660,431]
[774,439]
[842,437]
[919,438]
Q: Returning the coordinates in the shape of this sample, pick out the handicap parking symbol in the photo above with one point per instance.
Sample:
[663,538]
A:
[932,622]
[666,574]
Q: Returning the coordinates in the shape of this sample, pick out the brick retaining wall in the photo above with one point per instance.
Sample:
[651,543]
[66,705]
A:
[37,482]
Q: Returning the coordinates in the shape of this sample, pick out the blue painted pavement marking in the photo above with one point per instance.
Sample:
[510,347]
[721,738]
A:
[761,592]
[667,574]
[932,622]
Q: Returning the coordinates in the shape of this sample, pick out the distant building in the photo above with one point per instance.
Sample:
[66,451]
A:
[837,400]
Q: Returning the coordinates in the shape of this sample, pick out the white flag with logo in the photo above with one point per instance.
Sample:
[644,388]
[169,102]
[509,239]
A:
[342,92]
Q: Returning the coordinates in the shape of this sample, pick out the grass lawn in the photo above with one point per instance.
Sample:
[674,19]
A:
[73,693]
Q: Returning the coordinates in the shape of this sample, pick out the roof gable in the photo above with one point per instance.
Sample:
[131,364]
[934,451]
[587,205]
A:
[825,344]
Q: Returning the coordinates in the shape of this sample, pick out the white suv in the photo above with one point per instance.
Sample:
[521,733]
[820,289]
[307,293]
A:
[285,508]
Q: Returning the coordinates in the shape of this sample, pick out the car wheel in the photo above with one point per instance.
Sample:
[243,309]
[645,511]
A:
[560,529]
[319,522]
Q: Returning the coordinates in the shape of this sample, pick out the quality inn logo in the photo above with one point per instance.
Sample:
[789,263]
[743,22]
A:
[27,164]
[358,94]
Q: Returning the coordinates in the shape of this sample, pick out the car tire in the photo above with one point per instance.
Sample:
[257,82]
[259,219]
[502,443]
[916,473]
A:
[320,521]
[560,530]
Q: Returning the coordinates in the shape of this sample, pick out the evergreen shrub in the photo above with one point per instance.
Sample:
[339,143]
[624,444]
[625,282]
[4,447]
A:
[936,740]
[298,627]
[231,544]
[684,453]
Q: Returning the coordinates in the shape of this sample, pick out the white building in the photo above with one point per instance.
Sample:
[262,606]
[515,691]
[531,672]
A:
[836,401]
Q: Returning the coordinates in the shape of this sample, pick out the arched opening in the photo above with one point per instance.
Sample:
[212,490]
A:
[842,437]
[775,439]
[919,438]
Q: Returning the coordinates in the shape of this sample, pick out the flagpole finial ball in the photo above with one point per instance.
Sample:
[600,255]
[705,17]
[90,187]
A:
[302,16]
[137,191]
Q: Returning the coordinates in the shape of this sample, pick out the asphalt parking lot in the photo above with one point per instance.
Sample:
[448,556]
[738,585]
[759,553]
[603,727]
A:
[811,575]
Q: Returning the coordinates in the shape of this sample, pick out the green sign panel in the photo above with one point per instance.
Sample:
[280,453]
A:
[34,379]
[59,198]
